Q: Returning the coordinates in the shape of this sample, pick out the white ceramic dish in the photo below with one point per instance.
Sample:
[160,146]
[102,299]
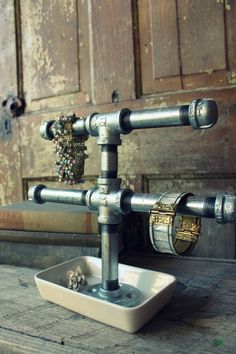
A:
[155,288]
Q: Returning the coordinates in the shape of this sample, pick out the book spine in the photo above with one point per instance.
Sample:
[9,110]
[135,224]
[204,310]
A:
[11,219]
[49,221]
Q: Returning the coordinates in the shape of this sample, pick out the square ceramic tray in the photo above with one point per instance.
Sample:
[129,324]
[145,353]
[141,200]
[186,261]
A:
[155,289]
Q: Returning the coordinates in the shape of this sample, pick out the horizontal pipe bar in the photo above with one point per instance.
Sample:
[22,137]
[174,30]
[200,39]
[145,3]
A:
[64,196]
[136,202]
[223,208]
[153,118]
[42,194]
[189,206]
[200,114]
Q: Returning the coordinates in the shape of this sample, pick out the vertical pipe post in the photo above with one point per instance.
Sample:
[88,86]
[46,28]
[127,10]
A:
[108,219]
[109,234]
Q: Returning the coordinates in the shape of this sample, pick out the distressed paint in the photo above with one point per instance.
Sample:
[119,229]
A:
[164,39]
[231,38]
[7,49]
[158,73]
[10,171]
[56,53]
[202,48]
[203,52]
[50,48]
[112,57]
[232,77]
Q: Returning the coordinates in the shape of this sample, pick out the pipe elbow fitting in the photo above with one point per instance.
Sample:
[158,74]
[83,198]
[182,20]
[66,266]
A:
[203,113]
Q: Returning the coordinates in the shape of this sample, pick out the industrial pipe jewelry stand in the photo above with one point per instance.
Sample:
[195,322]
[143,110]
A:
[122,296]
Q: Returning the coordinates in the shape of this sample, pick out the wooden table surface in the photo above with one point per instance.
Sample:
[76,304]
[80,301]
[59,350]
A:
[200,318]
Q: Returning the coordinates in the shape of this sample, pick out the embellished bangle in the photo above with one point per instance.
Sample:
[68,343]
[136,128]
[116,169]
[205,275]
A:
[170,233]
[70,150]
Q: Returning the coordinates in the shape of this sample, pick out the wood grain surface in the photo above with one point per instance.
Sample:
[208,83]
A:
[200,318]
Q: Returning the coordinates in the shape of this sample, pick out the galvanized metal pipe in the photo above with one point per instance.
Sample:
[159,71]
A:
[198,206]
[200,114]
[222,207]
[42,194]
[64,196]
[152,118]
[109,161]
[108,183]
[109,239]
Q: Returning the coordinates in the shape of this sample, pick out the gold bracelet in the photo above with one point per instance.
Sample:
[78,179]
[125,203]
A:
[169,232]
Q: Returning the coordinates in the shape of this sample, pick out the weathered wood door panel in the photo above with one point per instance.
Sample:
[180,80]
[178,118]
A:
[53,54]
[10,170]
[186,44]
[112,56]
[74,53]
[81,51]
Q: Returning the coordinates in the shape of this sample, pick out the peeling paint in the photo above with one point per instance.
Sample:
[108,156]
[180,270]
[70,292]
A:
[150,101]
[7,49]
[232,77]
[41,57]
[50,53]
[69,6]
[58,82]
[224,2]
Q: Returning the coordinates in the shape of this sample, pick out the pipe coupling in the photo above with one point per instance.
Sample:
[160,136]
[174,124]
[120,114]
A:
[114,200]
[46,131]
[34,193]
[107,126]
[225,208]
[107,216]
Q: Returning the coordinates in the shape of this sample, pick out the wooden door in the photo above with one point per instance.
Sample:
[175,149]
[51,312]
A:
[76,54]
[96,56]
[10,171]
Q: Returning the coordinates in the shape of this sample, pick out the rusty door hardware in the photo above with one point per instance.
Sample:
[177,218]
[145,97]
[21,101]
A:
[12,107]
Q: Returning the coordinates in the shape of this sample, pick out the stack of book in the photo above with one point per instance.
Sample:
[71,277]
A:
[49,217]
[41,235]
